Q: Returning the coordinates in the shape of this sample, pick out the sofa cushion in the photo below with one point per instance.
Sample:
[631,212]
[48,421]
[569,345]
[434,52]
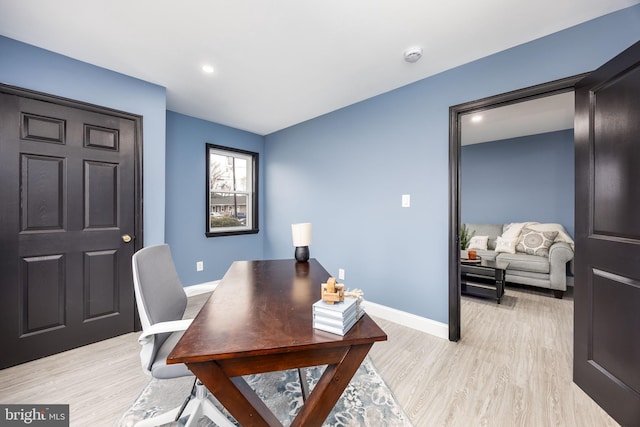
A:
[525,262]
[535,242]
[525,278]
[491,230]
[529,274]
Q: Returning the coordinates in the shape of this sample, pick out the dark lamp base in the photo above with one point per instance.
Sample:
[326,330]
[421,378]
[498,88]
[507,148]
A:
[302,253]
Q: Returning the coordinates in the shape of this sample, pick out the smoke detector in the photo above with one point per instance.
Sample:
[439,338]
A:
[413,54]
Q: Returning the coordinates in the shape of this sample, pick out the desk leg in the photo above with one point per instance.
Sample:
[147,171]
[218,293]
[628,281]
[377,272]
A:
[304,385]
[326,393]
[235,395]
[249,410]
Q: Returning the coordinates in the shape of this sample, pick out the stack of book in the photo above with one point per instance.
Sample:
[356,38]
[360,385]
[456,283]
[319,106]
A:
[336,318]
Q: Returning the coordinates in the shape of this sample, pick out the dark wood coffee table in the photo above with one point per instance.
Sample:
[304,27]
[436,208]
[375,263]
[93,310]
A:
[484,278]
[259,319]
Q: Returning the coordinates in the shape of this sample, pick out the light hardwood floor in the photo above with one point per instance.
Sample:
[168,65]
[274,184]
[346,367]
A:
[511,368]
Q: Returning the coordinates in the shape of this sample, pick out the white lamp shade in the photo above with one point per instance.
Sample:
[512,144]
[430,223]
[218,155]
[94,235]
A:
[301,234]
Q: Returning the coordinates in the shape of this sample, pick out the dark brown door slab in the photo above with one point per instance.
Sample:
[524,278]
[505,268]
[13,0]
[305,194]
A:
[68,196]
[607,258]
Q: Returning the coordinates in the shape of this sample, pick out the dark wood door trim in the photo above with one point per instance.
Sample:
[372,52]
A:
[137,119]
[455,112]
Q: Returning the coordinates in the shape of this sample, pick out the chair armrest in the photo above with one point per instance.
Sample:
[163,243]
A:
[163,328]
[201,289]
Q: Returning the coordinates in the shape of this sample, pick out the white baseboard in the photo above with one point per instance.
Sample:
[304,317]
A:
[201,288]
[422,324]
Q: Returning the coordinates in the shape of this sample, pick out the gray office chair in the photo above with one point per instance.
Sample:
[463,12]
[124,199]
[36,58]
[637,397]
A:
[161,302]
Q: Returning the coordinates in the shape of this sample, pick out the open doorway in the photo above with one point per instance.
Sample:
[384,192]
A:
[457,114]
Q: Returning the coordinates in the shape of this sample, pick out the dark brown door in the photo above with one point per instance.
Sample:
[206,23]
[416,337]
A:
[607,284]
[67,198]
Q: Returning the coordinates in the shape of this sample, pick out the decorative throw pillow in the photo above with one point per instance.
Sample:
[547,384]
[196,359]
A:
[478,242]
[534,242]
[512,231]
[506,245]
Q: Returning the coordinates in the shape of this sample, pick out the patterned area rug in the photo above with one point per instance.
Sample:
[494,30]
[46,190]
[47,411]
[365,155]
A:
[367,400]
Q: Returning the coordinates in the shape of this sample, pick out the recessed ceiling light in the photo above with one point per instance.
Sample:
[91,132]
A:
[207,69]
[477,118]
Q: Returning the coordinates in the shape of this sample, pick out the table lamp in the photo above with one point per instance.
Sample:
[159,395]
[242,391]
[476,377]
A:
[301,240]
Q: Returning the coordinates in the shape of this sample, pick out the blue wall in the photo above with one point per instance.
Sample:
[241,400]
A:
[346,171]
[33,68]
[521,179]
[186,206]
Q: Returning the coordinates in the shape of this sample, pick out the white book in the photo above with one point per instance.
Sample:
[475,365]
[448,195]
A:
[331,320]
[334,329]
[360,309]
[341,320]
[338,309]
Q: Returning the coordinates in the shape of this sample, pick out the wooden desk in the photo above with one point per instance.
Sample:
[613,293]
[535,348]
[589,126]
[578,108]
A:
[259,319]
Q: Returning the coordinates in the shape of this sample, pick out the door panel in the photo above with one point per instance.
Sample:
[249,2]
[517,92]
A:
[616,161]
[43,129]
[101,194]
[43,294]
[618,354]
[607,282]
[101,296]
[68,196]
[42,186]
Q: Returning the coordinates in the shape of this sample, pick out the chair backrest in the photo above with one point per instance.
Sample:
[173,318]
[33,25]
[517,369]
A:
[160,296]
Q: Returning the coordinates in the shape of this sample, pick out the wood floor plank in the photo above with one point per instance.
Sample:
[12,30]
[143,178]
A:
[513,367]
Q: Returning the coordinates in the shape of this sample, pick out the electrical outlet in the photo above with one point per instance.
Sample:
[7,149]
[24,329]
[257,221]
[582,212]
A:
[199,265]
[341,274]
[406,200]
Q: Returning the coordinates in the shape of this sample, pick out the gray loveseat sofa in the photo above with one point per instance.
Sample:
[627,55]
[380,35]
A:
[545,272]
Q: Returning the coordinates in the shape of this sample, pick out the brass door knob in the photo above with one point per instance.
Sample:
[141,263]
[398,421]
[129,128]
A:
[126,238]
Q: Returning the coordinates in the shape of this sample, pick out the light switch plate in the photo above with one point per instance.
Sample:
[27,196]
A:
[406,200]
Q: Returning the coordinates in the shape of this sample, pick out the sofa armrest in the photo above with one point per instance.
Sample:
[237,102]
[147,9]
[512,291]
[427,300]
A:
[560,254]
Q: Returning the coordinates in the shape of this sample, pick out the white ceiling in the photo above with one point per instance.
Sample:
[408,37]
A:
[278,63]
[541,115]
